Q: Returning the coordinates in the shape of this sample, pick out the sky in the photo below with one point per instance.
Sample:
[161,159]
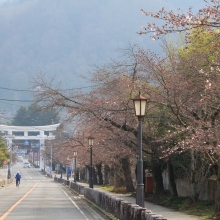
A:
[123,29]
[149,5]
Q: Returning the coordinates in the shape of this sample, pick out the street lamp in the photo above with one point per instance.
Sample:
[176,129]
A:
[9,139]
[61,170]
[90,139]
[75,154]
[51,158]
[140,109]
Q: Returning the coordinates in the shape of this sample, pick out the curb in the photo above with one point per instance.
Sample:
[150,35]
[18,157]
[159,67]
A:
[108,215]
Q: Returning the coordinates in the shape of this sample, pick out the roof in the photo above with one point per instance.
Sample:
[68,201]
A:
[29,128]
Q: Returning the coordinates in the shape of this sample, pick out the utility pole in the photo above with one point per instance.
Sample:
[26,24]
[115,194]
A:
[51,147]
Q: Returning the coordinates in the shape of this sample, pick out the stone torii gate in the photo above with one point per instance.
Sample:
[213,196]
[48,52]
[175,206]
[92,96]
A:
[11,133]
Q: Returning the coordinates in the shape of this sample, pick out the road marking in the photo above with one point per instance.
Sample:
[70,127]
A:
[28,174]
[74,204]
[17,203]
[93,213]
[41,175]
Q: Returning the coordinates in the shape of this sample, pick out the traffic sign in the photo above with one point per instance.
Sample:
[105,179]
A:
[5,162]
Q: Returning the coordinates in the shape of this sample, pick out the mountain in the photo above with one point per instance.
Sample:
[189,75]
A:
[64,38]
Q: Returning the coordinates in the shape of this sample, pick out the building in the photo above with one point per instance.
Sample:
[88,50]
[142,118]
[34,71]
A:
[29,140]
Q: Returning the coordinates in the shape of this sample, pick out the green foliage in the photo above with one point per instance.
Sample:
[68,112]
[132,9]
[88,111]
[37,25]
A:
[28,116]
[4,155]
[181,164]
[109,188]
[155,122]
[204,44]
[121,189]
[203,209]
[201,41]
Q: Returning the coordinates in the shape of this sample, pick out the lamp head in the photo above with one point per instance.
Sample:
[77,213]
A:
[140,103]
[90,140]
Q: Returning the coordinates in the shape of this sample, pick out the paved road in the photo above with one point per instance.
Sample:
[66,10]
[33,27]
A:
[38,197]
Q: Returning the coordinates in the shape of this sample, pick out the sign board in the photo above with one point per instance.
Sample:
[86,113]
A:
[57,167]
[5,162]
[21,151]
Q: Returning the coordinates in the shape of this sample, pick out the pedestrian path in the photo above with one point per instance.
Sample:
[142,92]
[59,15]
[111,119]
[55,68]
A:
[3,173]
[159,210]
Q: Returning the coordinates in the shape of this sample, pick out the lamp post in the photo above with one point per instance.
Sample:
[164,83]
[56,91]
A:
[90,139]
[10,163]
[75,154]
[9,139]
[51,158]
[140,109]
[61,170]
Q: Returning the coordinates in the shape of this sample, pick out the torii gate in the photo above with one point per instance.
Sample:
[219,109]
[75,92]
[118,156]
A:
[10,135]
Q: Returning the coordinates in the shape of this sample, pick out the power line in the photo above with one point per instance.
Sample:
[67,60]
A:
[9,104]
[16,100]
[27,90]
[18,90]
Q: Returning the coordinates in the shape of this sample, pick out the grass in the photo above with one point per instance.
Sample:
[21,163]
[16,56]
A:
[107,188]
[202,209]
[114,189]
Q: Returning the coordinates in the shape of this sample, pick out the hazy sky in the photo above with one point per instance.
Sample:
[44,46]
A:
[64,37]
[154,4]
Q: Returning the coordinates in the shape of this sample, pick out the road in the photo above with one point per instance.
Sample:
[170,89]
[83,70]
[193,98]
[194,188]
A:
[39,197]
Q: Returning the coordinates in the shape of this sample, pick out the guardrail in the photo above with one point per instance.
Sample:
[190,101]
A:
[118,207]
[46,174]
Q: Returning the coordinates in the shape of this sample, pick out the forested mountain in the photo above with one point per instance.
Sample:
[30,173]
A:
[64,37]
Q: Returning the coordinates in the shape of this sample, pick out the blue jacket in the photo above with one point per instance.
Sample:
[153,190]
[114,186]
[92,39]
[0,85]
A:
[18,176]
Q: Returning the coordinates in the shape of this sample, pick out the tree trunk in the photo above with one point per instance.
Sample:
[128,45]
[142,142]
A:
[94,176]
[106,174]
[194,187]
[217,198]
[157,174]
[99,173]
[217,193]
[127,175]
[171,178]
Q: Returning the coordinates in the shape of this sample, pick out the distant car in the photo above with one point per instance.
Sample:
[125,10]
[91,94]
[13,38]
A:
[27,164]
[20,159]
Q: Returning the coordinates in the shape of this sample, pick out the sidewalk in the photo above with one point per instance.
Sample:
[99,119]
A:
[4,181]
[159,210]
[3,173]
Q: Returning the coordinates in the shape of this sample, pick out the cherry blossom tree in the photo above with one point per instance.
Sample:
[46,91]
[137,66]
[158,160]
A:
[207,17]
[106,112]
[189,79]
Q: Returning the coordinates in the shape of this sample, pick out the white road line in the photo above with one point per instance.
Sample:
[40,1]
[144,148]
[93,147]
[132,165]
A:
[41,174]
[74,204]
[28,175]
[94,214]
